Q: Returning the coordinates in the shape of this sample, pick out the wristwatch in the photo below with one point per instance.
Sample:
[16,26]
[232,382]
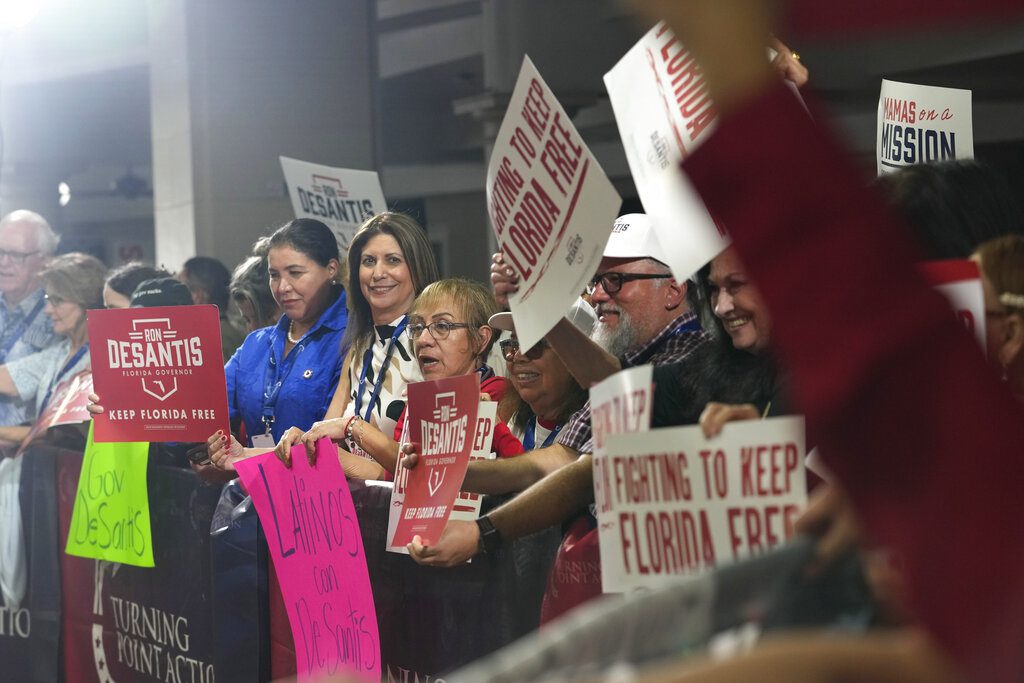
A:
[490,537]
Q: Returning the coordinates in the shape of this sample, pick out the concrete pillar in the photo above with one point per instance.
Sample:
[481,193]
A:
[234,85]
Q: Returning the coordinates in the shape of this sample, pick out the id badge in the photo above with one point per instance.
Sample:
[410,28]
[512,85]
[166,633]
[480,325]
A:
[264,440]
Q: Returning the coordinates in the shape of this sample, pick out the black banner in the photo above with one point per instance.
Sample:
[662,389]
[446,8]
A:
[432,621]
[126,623]
[30,618]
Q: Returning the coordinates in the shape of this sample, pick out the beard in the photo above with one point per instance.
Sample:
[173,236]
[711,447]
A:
[619,340]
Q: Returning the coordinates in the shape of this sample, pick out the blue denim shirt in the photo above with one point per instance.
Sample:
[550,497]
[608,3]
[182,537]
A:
[308,375]
[37,336]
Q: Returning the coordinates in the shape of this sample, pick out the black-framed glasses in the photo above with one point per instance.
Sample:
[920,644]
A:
[16,257]
[439,329]
[612,282]
[510,347]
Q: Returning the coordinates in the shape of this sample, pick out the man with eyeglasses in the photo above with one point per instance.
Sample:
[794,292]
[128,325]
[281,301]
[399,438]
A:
[26,242]
[643,316]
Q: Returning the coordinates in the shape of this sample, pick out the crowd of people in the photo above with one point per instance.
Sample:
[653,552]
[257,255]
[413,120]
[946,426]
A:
[816,309]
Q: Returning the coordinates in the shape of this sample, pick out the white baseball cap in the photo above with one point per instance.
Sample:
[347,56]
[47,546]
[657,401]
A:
[581,314]
[633,236]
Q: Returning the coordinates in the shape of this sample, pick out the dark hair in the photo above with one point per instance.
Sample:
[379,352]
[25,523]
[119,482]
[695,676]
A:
[702,302]
[250,283]
[124,279]
[309,236]
[419,257]
[953,206]
[718,371]
[211,276]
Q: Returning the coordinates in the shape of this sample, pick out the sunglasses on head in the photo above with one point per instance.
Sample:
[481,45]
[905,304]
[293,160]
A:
[510,347]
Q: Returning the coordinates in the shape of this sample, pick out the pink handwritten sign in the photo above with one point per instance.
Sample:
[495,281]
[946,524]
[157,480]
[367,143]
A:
[442,420]
[314,540]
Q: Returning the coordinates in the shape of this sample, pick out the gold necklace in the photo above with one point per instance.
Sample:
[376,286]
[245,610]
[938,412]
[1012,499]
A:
[293,341]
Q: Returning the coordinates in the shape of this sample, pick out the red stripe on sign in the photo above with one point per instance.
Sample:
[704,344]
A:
[945,272]
[664,101]
[561,233]
[463,508]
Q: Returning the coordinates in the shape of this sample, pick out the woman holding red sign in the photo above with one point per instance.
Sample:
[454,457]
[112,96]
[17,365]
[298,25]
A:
[73,284]
[282,375]
[450,337]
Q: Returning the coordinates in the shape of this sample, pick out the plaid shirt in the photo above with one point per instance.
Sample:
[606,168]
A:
[676,341]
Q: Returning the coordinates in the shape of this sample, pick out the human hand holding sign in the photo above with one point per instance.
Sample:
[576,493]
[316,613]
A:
[225,450]
[333,429]
[715,415]
[459,542]
[504,280]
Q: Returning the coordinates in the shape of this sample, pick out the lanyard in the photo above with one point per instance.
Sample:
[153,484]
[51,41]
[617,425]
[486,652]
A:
[13,338]
[272,382]
[529,436]
[367,362]
[63,371]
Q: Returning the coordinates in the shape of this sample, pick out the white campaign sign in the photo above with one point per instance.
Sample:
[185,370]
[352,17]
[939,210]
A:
[621,404]
[342,198]
[664,112]
[671,502]
[467,505]
[551,206]
[960,282]
[921,124]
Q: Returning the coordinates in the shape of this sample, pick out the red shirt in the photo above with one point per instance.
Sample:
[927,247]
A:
[927,442]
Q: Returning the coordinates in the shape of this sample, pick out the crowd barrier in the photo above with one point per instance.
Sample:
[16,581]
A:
[210,610]
[724,612]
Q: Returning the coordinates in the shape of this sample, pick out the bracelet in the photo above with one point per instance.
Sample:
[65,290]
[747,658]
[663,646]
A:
[347,432]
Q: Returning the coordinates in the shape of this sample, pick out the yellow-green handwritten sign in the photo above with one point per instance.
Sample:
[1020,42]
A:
[110,520]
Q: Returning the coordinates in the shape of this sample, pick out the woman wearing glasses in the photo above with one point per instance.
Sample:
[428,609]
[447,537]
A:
[390,262]
[73,283]
[1002,278]
[542,394]
[450,337]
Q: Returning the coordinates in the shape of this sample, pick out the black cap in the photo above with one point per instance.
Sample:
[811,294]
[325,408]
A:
[161,291]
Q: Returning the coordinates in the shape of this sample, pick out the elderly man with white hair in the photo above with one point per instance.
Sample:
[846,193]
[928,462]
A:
[26,244]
